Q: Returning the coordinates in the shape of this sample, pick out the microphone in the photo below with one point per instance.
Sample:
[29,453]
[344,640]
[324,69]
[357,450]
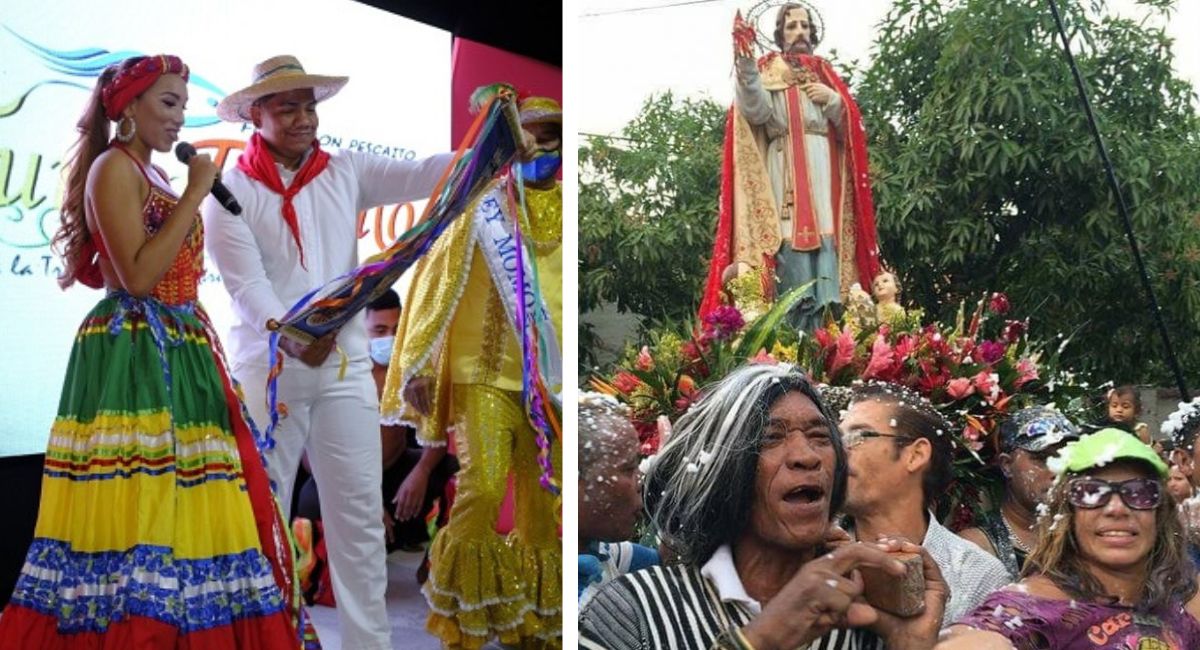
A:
[184,152]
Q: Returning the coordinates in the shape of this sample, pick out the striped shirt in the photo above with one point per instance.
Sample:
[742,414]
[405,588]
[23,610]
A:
[678,607]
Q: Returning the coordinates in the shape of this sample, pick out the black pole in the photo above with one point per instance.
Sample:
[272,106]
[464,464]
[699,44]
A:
[1116,189]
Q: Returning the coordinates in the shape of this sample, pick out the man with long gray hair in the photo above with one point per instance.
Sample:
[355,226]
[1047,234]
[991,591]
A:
[743,494]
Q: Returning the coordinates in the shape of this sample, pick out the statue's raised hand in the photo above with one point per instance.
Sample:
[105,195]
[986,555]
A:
[743,37]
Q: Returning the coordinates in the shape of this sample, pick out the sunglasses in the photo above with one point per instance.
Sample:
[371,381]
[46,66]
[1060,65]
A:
[1091,493]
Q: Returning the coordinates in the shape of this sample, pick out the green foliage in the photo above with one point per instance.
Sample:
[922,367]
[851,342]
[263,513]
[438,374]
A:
[648,209]
[986,176]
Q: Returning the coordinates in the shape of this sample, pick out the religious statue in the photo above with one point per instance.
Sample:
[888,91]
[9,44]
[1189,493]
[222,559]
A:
[795,200]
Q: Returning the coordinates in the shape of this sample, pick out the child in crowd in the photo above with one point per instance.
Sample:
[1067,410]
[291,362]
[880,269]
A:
[1124,408]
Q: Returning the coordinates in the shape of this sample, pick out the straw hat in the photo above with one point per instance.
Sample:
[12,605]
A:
[540,109]
[276,75]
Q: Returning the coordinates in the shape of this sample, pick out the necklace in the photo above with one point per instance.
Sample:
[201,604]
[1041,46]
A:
[1012,536]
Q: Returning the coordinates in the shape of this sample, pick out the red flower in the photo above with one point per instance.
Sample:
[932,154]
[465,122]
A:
[626,382]
[959,388]
[644,360]
[931,378]
[998,304]
[686,386]
[824,338]
[648,437]
[989,352]
[1014,330]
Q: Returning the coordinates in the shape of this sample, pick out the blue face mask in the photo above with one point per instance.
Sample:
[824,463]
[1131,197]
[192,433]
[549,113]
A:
[380,349]
[542,168]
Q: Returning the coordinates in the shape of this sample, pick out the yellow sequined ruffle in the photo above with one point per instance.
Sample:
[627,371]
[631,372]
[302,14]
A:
[542,568]
[475,591]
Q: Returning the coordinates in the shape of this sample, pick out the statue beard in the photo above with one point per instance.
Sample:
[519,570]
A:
[799,46]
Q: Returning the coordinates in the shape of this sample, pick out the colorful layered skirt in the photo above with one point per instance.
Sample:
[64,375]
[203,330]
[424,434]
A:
[157,527]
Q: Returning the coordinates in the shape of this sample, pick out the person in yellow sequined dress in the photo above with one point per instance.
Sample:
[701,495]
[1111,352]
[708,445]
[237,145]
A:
[457,367]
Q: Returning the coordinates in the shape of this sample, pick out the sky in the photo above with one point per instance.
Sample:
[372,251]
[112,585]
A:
[685,48]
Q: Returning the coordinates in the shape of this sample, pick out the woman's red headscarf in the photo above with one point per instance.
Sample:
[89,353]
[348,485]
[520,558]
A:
[134,80]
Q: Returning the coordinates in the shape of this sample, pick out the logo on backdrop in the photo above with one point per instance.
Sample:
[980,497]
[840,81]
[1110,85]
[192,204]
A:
[87,63]
[29,213]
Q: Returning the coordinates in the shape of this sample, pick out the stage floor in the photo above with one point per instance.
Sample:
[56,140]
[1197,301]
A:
[405,605]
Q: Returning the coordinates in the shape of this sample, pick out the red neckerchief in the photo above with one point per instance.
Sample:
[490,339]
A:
[259,164]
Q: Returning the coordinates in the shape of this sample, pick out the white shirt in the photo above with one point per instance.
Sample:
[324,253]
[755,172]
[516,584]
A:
[258,258]
[721,571]
[971,572]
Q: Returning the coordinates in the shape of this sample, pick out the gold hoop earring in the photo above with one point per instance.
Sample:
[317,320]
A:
[123,137]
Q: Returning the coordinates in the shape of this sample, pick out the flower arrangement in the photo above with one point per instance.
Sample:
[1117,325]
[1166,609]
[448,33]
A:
[974,371]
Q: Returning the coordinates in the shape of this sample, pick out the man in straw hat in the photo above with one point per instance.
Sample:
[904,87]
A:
[457,365]
[298,231]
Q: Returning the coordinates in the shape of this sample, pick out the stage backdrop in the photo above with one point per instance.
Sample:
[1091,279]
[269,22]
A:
[396,104]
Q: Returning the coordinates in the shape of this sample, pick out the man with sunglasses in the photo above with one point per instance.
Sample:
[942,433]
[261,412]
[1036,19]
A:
[1027,439]
[900,463]
[1109,571]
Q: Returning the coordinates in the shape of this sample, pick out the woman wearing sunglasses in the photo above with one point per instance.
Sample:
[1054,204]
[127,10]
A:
[1110,569]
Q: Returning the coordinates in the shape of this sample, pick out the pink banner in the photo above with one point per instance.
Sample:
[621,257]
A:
[474,64]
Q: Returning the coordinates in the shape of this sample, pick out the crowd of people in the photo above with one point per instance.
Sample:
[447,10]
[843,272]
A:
[770,521]
[165,517]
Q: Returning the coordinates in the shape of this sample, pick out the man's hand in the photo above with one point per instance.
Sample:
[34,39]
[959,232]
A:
[823,594]
[419,393]
[411,495]
[918,632]
[818,93]
[313,354]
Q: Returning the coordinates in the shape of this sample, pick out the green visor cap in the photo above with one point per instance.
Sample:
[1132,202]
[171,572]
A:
[1101,448]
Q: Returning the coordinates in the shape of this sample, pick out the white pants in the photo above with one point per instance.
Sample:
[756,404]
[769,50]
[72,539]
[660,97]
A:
[337,422]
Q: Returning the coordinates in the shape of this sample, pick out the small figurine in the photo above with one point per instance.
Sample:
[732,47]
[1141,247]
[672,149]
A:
[886,289]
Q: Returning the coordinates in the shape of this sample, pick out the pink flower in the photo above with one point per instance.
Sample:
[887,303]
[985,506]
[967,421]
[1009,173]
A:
[763,358]
[988,385]
[1027,371]
[959,388]
[626,382]
[905,347]
[998,304]
[882,360]
[644,360]
[1014,330]
[843,353]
